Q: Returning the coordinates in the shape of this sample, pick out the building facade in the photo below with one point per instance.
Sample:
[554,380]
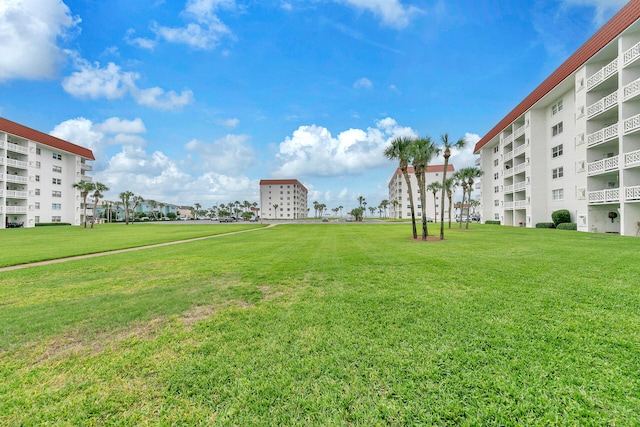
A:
[37,173]
[289,195]
[574,142]
[400,207]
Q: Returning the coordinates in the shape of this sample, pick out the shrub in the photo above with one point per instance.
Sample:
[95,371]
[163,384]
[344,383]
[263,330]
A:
[491,221]
[51,224]
[567,226]
[545,225]
[560,217]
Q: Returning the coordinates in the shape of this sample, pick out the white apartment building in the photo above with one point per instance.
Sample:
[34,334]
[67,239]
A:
[289,195]
[37,173]
[400,207]
[574,142]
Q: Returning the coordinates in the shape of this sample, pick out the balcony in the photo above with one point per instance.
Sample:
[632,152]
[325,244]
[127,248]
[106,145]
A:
[605,104]
[507,172]
[632,159]
[17,148]
[602,166]
[85,167]
[632,194]
[17,164]
[13,194]
[519,186]
[16,178]
[632,124]
[508,156]
[518,132]
[520,204]
[16,209]
[603,74]
[508,205]
[508,140]
[85,178]
[518,151]
[631,90]
[508,188]
[631,54]
[604,196]
[519,168]
[603,135]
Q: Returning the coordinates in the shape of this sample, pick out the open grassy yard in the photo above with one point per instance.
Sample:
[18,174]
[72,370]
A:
[329,324]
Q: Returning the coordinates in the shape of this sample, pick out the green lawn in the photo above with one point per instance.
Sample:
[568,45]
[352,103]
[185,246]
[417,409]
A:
[330,324]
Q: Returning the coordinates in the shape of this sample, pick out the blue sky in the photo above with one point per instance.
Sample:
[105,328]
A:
[197,100]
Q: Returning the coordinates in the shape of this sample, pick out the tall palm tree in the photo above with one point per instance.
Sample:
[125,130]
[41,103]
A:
[400,149]
[473,172]
[315,209]
[434,187]
[384,205]
[161,206]
[135,201]
[275,207]
[340,207]
[446,147]
[461,177]
[395,204]
[125,197]
[450,184]
[85,188]
[423,150]
[98,189]
[197,210]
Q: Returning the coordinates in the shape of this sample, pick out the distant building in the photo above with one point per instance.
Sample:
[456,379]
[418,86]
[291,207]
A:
[289,195]
[37,173]
[574,142]
[400,207]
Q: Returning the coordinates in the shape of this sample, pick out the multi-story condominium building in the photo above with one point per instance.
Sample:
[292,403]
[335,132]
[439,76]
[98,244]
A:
[37,173]
[289,195]
[574,142]
[400,207]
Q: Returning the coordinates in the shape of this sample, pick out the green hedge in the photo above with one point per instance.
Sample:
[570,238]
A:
[545,225]
[560,216]
[490,221]
[567,226]
[51,224]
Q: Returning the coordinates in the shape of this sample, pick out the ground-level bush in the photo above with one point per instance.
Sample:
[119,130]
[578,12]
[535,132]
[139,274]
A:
[560,216]
[490,221]
[545,225]
[51,224]
[567,226]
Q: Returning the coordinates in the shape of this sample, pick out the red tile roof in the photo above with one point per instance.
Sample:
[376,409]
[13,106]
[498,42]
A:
[612,29]
[282,182]
[43,138]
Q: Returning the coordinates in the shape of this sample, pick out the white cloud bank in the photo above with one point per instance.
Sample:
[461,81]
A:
[29,34]
[392,13]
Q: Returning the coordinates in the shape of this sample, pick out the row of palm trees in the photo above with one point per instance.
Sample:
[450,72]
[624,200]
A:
[419,152]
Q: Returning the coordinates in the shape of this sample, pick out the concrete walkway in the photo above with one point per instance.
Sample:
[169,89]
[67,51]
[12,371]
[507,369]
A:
[120,251]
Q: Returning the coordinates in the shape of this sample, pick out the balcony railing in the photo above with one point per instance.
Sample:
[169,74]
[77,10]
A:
[519,132]
[632,159]
[16,178]
[16,209]
[632,124]
[603,105]
[508,140]
[631,54]
[508,156]
[519,168]
[632,193]
[519,186]
[13,194]
[604,165]
[508,188]
[631,90]
[520,204]
[604,196]
[603,135]
[17,148]
[603,74]
[508,205]
[17,163]
[518,151]
[508,172]
[85,178]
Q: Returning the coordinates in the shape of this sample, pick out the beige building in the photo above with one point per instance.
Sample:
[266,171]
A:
[400,207]
[37,173]
[574,142]
[289,195]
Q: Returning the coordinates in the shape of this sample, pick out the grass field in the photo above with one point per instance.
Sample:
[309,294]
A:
[329,324]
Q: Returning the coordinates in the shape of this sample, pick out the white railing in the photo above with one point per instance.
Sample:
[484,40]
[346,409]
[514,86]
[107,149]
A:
[85,167]
[519,168]
[603,135]
[16,209]
[632,124]
[508,140]
[519,132]
[518,151]
[632,159]
[2,143]
[85,178]
[508,172]
[604,196]
[17,163]
[631,54]
[521,204]
[17,148]
[2,177]
[632,193]
[1,193]
[631,90]
[604,165]
[603,74]
[508,205]
[519,186]
[508,188]
[603,105]
[13,194]
[477,162]
[16,178]
[508,156]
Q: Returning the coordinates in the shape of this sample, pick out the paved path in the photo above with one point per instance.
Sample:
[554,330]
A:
[119,251]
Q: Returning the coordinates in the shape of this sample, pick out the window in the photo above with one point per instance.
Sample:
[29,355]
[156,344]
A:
[57,156]
[496,162]
[557,129]
[37,178]
[496,149]
[556,108]
[56,194]
[558,194]
[557,172]
[57,169]
[56,206]
[37,165]
[37,191]
[56,181]
[37,219]
[56,219]
[496,175]
[496,202]
[36,205]
[556,151]
[37,151]
[408,206]
[496,189]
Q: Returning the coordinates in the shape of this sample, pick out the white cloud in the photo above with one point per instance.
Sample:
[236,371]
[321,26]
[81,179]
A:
[229,154]
[230,123]
[391,12]
[313,151]
[29,34]
[604,9]
[141,42]
[363,83]
[94,81]
[117,125]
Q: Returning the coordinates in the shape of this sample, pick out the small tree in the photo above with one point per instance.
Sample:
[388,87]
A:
[560,216]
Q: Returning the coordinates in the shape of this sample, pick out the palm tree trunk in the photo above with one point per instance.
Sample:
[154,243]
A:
[413,213]
[444,182]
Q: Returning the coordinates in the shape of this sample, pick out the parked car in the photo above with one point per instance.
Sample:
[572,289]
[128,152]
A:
[429,219]
[214,218]
[226,219]
[254,219]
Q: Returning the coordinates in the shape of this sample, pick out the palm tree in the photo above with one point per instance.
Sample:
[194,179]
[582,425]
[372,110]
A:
[384,205]
[400,149]
[361,201]
[423,150]
[473,172]
[340,207]
[85,188]
[372,210]
[135,201]
[434,187]
[395,204]
[125,197]
[275,207]
[161,206]
[450,185]
[447,145]
[315,209]
[98,189]
[461,177]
